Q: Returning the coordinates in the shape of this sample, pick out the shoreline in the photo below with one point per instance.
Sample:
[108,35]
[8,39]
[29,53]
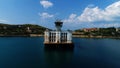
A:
[75,36]
[27,35]
[86,36]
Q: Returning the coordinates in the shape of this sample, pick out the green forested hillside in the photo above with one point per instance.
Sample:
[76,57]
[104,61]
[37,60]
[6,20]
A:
[7,29]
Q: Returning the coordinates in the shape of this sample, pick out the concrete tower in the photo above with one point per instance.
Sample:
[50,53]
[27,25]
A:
[58,25]
[58,38]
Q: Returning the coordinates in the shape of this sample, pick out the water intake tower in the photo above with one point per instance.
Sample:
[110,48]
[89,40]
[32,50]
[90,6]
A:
[58,37]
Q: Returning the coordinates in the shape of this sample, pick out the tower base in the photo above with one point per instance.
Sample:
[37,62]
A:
[59,45]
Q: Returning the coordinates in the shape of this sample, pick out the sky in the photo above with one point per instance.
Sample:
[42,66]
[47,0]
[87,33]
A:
[75,14]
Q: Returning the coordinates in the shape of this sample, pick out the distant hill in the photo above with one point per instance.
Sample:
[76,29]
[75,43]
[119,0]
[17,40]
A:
[98,32]
[25,29]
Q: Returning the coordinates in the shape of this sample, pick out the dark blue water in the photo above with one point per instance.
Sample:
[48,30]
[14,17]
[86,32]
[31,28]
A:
[26,52]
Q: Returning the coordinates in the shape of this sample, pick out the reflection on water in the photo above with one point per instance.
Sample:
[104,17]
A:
[58,57]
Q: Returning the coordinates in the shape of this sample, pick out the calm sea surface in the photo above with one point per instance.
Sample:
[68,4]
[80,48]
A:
[26,52]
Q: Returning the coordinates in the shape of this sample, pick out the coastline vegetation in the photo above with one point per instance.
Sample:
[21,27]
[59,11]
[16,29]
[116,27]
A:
[21,30]
[37,30]
[110,32]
